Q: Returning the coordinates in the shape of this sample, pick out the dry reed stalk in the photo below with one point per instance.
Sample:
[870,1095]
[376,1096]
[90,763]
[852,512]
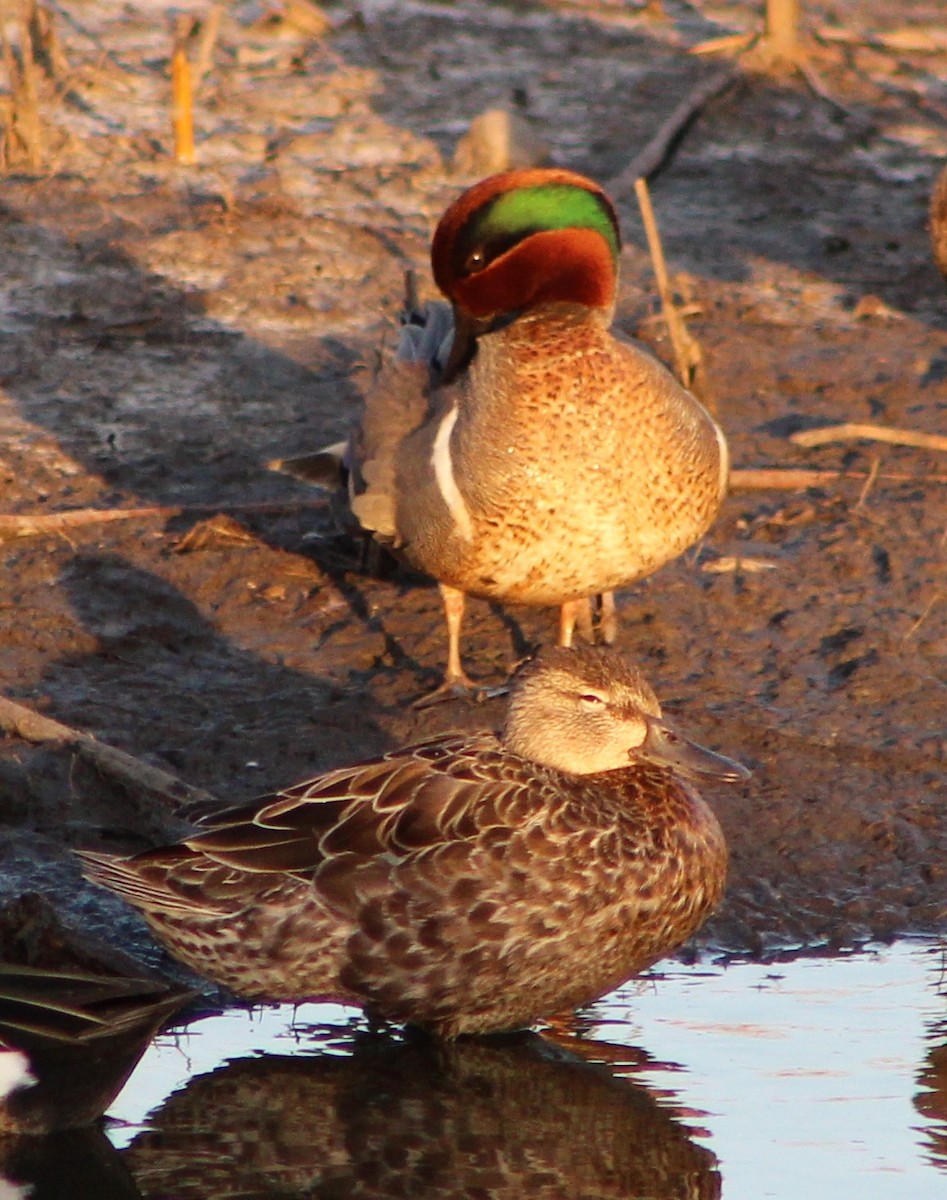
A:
[781,41]
[182,97]
[687,356]
[23,130]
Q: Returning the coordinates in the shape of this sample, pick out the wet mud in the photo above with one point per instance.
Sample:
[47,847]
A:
[167,330]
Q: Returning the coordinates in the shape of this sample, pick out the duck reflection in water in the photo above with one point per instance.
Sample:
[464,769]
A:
[506,1116]
[70,1164]
[932,1101]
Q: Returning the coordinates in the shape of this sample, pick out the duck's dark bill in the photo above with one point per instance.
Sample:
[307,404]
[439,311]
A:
[665,747]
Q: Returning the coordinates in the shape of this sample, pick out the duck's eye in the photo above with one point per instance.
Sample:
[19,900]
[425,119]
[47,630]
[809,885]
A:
[476,261]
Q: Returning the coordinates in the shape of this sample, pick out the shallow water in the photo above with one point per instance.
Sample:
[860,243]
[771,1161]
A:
[818,1077]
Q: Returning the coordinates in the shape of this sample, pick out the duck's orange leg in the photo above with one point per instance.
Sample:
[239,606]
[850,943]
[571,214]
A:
[607,618]
[456,681]
[575,614]
[578,614]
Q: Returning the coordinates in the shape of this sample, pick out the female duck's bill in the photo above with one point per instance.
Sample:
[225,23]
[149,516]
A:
[665,747]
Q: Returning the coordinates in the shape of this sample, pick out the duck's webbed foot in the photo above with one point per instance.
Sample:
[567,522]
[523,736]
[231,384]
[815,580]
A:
[454,687]
[457,685]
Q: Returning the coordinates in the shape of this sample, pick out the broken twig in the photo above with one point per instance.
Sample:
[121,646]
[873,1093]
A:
[869,482]
[20,721]
[648,161]
[748,564]
[729,43]
[851,431]
[16,525]
[210,31]
[797,479]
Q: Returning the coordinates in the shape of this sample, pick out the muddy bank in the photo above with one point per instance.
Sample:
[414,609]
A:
[166,330]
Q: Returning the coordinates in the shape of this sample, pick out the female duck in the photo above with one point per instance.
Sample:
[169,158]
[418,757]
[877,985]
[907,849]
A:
[469,884]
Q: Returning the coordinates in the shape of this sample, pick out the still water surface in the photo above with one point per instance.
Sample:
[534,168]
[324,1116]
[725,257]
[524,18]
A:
[814,1078]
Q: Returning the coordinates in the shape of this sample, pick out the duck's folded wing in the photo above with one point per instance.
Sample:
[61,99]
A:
[73,1005]
[396,400]
[399,398]
[405,803]
[444,797]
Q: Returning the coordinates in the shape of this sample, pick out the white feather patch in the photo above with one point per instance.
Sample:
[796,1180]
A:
[9,1190]
[724,460]
[14,1072]
[444,474]
[14,1191]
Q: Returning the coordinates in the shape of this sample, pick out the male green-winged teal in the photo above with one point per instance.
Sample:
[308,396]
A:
[513,447]
[468,884]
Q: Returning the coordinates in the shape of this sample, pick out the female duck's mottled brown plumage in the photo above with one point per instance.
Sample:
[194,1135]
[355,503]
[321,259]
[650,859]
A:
[514,447]
[468,884]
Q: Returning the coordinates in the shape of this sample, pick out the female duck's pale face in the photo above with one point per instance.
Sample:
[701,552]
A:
[587,711]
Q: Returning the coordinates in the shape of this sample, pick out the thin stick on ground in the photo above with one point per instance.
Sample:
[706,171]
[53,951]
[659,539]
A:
[852,431]
[935,599]
[869,482]
[210,31]
[655,154]
[20,721]
[797,479]
[687,355]
[17,525]
[729,43]
[23,132]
